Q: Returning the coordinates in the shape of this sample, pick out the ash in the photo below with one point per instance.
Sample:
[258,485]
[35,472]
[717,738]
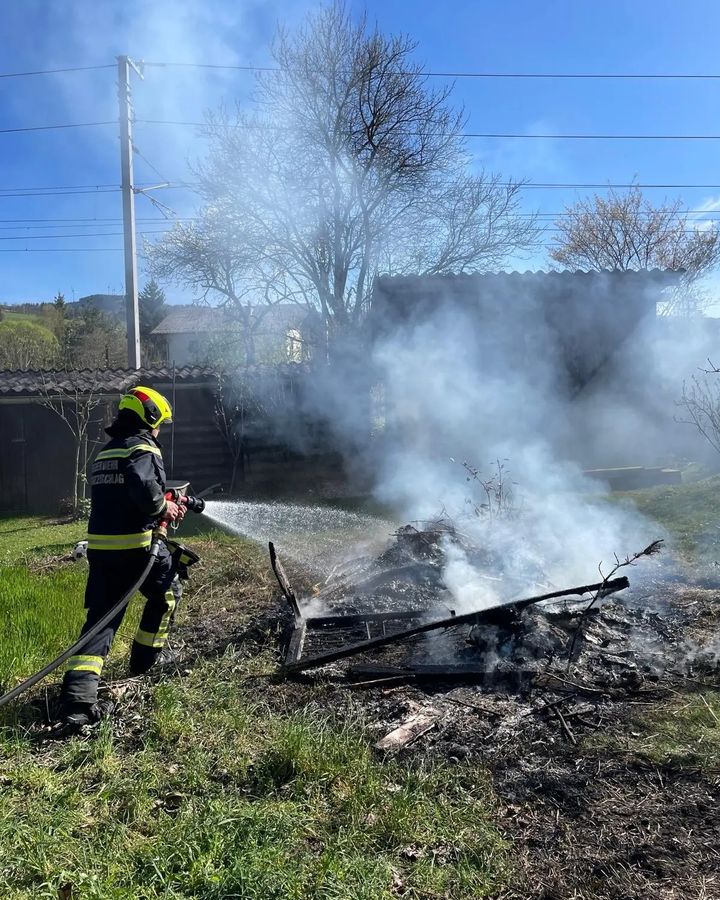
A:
[638,635]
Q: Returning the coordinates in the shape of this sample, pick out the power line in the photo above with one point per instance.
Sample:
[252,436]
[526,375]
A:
[544,185]
[147,162]
[59,187]
[71,193]
[599,137]
[488,134]
[92,223]
[9,196]
[110,223]
[61,249]
[433,74]
[55,71]
[631,184]
[51,237]
[54,127]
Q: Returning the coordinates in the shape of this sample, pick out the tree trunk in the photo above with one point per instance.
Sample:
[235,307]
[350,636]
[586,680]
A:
[76,480]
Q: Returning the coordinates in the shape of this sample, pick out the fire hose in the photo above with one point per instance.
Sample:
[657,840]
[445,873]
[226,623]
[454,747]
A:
[194,504]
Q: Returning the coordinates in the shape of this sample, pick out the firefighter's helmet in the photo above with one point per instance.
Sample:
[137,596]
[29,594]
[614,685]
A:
[148,404]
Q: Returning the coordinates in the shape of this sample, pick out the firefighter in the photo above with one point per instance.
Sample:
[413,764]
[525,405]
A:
[127,480]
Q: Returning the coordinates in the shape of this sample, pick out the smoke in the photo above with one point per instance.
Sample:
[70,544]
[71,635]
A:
[89,33]
[462,384]
[639,395]
[457,389]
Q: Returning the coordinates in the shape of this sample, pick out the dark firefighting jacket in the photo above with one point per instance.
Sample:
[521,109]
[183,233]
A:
[127,481]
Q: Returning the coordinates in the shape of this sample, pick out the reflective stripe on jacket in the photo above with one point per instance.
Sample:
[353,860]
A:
[127,482]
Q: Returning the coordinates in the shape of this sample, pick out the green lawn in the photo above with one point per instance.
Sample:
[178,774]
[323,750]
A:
[225,798]
[690,513]
[211,784]
[38,536]
[41,597]
[40,615]
[219,794]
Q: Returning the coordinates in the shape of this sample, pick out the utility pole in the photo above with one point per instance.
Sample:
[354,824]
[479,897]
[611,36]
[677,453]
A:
[124,64]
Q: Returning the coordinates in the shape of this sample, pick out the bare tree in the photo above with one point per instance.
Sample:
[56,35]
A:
[626,231]
[255,406]
[701,404]
[231,411]
[74,395]
[355,166]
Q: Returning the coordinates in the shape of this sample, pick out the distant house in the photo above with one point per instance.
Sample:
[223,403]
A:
[201,335]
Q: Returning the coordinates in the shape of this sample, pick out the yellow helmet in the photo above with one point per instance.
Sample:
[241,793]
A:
[151,406]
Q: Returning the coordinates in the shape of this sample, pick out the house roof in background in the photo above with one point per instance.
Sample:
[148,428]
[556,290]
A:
[118,381]
[214,319]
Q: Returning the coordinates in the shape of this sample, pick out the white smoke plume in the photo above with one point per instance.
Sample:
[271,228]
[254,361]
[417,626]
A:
[449,400]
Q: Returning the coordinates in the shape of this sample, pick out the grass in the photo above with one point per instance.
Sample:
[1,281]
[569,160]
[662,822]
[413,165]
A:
[39,616]
[688,511]
[686,733]
[22,536]
[217,792]
[12,318]
[681,733]
[220,784]
[226,798]
[41,596]
[40,610]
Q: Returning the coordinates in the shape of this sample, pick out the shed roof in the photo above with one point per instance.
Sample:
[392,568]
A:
[15,383]
[470,283]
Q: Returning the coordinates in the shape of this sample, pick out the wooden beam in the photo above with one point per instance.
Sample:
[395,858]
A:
[284,583]
[296,644]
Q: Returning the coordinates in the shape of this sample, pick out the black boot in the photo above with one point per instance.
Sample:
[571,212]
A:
[78,715]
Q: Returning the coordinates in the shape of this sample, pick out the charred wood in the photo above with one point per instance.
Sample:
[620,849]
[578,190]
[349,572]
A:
[477,617]
[284,582]
[348,621]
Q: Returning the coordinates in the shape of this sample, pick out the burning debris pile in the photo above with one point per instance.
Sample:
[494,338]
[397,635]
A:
[396,618]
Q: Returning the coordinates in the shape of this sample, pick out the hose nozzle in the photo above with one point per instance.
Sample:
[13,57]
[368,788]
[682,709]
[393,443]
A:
[194,504]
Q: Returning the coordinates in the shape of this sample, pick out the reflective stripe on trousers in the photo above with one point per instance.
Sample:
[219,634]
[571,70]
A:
[137,541]
[84,663]
[157,640]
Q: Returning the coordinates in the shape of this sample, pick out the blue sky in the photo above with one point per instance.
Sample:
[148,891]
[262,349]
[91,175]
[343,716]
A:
[659,36]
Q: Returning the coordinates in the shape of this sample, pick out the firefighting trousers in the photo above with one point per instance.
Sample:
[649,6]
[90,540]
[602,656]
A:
[111,574]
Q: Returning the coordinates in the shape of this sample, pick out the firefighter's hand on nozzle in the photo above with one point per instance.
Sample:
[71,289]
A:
[175,511]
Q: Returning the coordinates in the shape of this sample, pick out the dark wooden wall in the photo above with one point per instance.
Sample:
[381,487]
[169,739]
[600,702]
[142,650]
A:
[36,459]
[37,449]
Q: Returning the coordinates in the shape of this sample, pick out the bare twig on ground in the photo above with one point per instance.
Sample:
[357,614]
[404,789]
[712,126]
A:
[650,550]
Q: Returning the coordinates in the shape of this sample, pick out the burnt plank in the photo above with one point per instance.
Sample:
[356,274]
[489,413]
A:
[296,644]
[470,673]
[284,582]
[348,621]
